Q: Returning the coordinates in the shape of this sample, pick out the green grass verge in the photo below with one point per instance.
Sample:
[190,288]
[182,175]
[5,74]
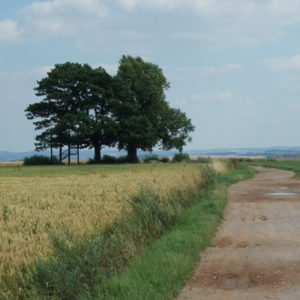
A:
[161,272]
[293,165]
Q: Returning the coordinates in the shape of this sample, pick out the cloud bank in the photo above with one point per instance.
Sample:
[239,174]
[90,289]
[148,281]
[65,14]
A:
[9,30]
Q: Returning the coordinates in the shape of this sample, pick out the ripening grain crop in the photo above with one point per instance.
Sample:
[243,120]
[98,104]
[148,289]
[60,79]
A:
[34,200]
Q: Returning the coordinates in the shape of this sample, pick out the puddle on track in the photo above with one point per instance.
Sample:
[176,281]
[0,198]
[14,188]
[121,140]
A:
[280,194]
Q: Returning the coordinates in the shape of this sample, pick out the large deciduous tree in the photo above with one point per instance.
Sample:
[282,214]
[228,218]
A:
[145,118]
[75,109]
[101,124]
[86,107]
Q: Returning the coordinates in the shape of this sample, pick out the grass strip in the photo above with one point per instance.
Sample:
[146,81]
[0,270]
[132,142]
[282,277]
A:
[292,165]
[161,272]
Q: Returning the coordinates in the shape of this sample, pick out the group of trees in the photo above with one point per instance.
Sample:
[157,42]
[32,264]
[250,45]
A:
[88,108]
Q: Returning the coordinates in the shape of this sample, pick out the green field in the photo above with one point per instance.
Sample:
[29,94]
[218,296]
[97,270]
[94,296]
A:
[293,165]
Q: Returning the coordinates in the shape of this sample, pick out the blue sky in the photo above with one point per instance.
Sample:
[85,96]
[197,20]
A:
[233,65]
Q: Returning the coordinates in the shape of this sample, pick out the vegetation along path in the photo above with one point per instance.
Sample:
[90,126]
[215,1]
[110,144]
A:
[257,248]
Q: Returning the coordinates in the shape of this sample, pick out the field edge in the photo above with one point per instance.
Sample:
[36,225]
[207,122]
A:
[161,272]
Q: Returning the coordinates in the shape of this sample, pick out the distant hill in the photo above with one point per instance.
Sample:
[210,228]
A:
[269,152]
[14,156]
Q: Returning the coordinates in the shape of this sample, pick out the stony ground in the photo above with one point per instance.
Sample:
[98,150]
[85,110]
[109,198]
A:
[257,248]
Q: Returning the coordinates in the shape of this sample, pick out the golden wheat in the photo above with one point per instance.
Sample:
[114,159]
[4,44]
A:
[220,166]
[30,205]
[34,200]
[10,163]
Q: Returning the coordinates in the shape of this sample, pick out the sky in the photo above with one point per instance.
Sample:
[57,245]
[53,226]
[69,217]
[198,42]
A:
[233,65]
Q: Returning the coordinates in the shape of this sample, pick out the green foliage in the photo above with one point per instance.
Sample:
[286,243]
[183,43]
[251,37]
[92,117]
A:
[144,116]
[155,158]
[86,107]
[175,129]
[108,159]
[124,160]
[79,263]
[203,159]
[76,108]
[209,175]
[293,165]
[151,158]
[179,157]
[34,226]
[165,159]
[40,160]
[232,162]
[150,216]
[5,213]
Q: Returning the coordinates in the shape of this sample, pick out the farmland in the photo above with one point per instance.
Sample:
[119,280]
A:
[286,164]
[34,200]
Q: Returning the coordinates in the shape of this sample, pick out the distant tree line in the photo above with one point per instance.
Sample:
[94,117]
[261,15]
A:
[88,108]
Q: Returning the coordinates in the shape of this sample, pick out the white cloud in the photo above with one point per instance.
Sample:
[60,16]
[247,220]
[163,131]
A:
[31,76]
[229,22]
[212,70]
[283,64]
[233,67]
[226,96]
[64,16]
[41,71]
[286,10]
[223,22]
[112,69]
[9,30]
[277,8]
[165,4]
[202,7]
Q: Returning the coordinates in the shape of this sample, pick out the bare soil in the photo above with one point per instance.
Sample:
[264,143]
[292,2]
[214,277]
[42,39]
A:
[257,247]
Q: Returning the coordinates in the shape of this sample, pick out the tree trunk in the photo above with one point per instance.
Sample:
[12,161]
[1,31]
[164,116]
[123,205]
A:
[69,155]
[51,149]
[132,153]
[60,153]
[51,154]
[78,160]
[97,156]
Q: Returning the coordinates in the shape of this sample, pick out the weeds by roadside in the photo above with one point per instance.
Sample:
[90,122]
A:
[161,272]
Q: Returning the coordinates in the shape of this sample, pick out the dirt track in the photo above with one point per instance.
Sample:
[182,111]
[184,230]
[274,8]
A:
[257,253]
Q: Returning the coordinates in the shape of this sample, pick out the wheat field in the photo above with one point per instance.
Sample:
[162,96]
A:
[34,200]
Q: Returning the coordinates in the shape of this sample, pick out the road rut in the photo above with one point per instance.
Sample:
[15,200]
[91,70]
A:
[257,247]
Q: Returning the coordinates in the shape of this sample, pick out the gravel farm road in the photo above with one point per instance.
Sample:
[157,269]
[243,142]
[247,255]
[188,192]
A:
[257,247]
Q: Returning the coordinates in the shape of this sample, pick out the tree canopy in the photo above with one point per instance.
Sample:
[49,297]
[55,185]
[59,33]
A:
[87,107]
[75,109]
